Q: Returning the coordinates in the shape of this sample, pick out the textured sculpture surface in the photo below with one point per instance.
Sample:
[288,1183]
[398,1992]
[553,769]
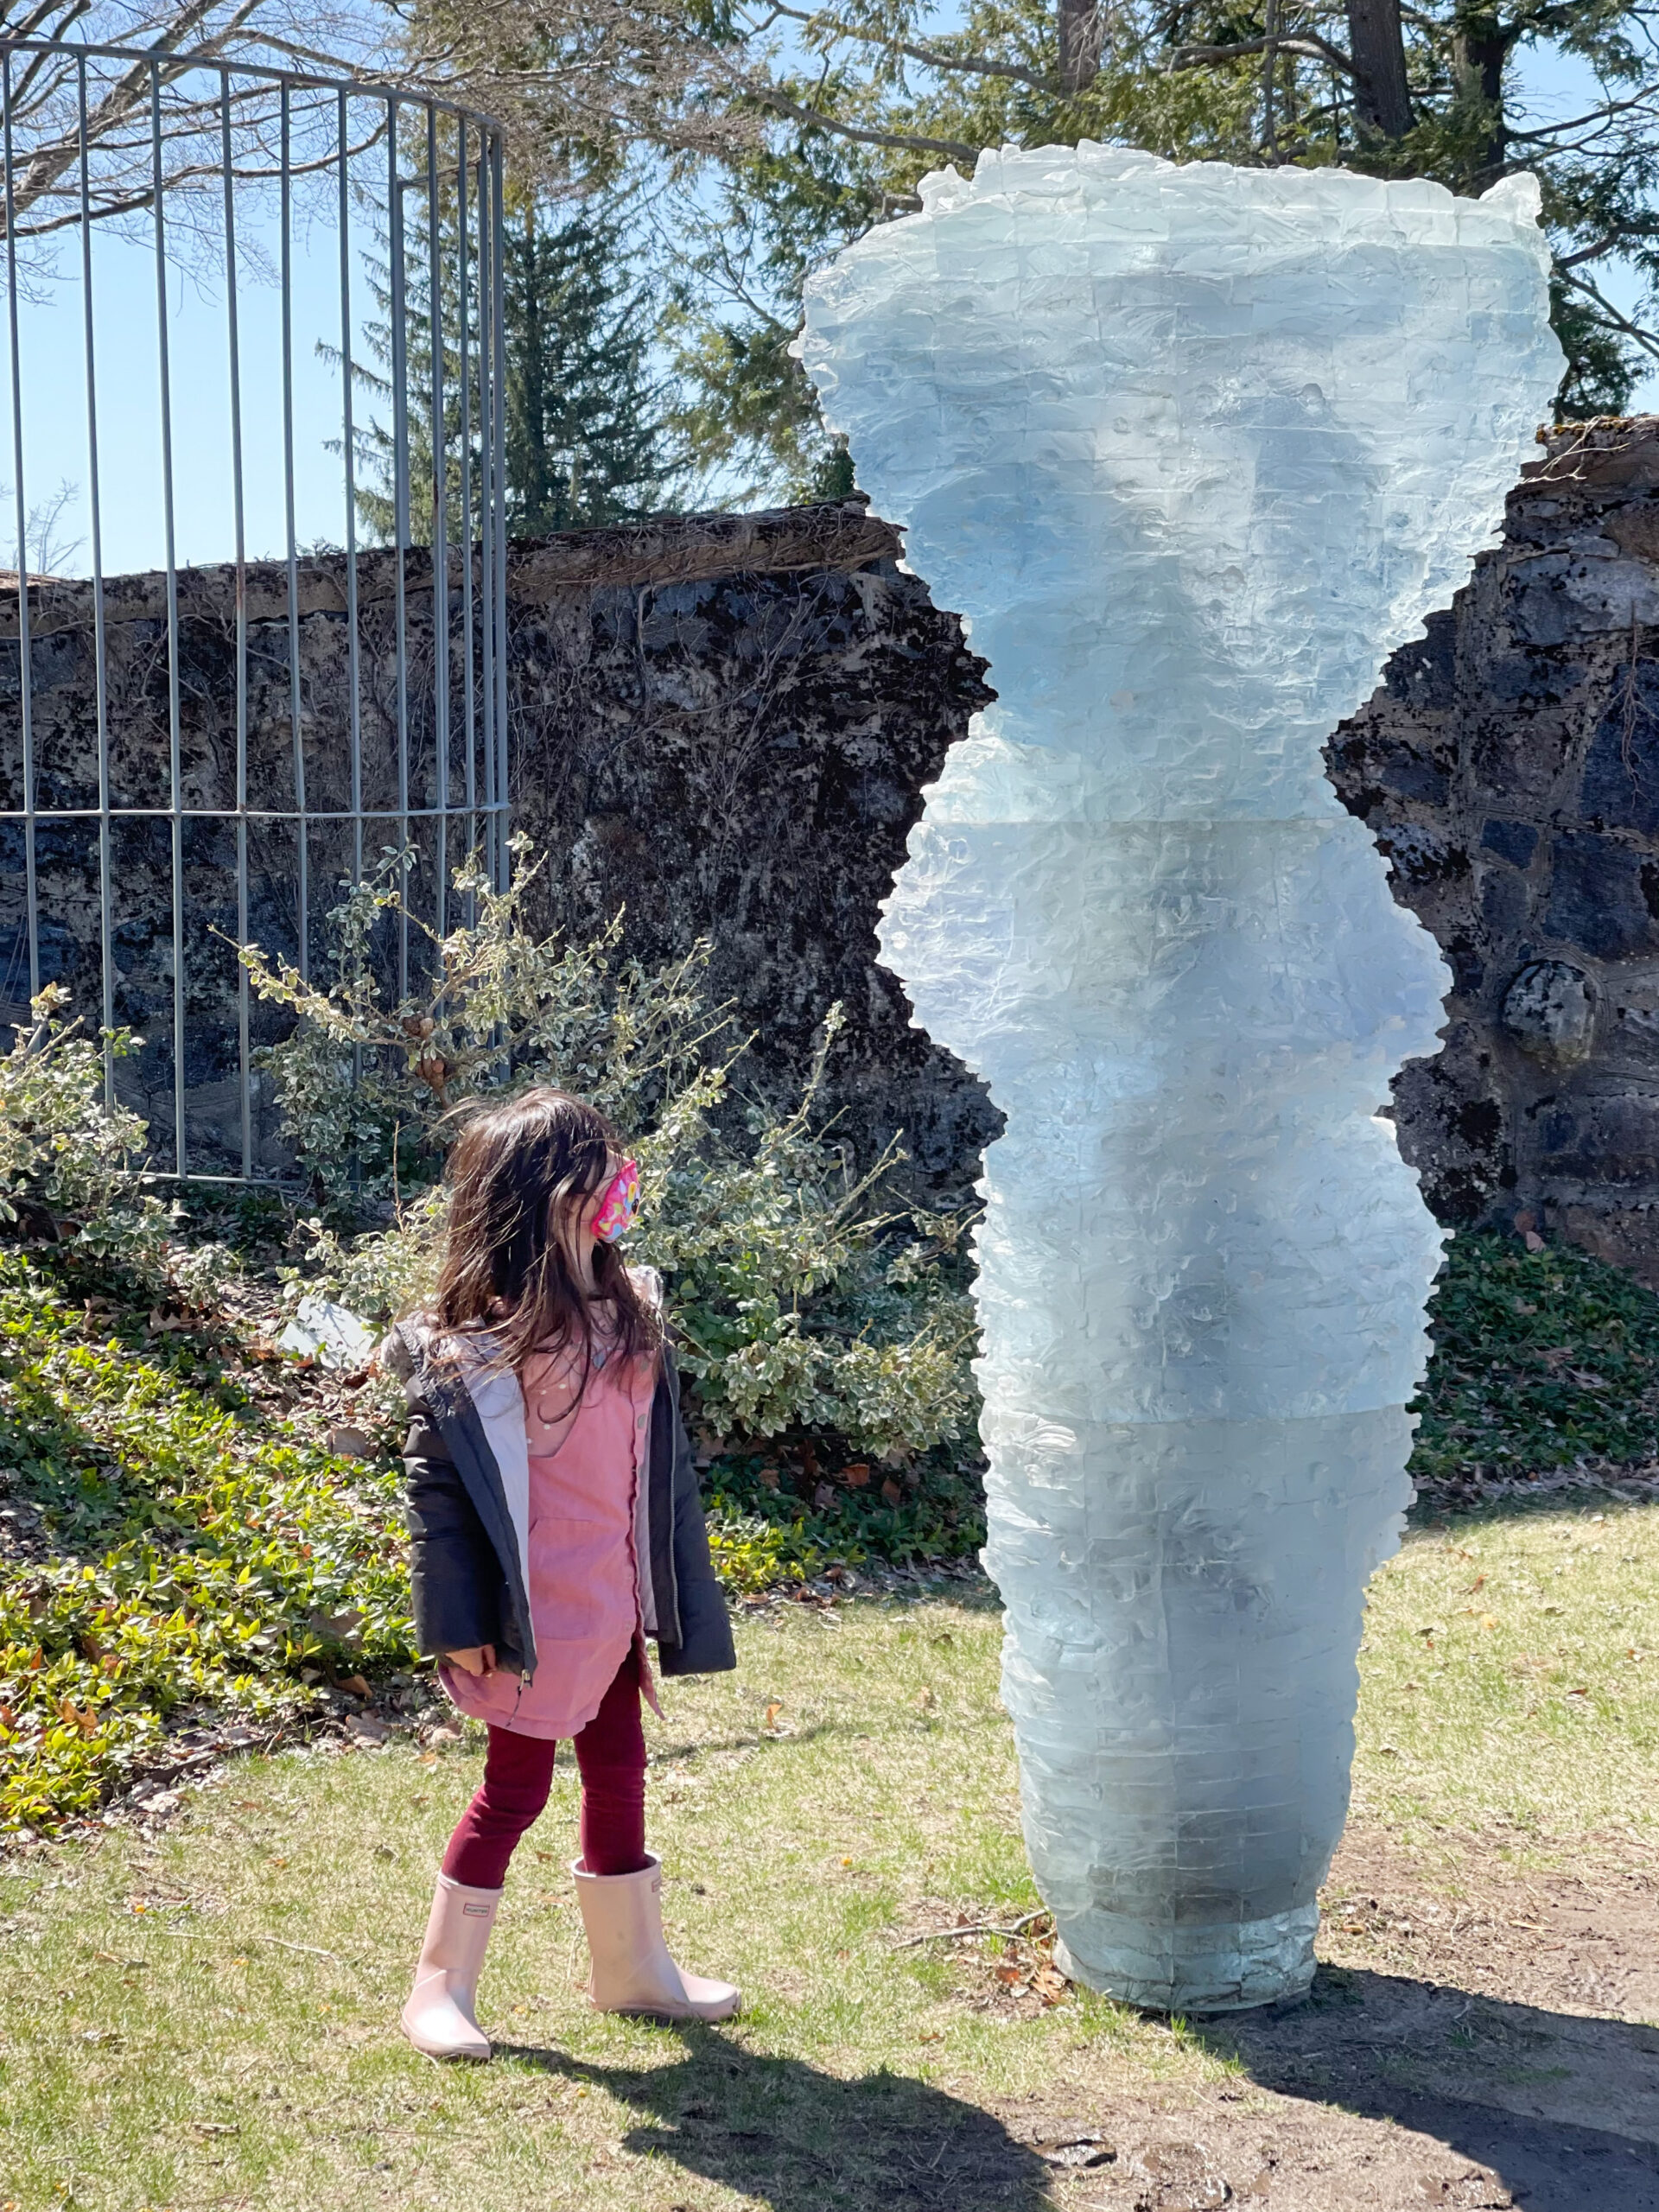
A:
[1193,449]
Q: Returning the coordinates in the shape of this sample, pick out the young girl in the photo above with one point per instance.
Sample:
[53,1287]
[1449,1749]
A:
[554,1524]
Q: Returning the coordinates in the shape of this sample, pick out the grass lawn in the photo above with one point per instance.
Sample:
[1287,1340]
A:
[203,2016]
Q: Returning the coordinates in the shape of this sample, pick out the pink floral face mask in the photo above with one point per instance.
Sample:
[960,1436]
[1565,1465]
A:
[618,1205]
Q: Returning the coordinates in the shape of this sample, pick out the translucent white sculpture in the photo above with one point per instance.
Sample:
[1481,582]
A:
[1192,450]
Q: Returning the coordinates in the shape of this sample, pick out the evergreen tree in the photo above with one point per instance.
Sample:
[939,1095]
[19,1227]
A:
[585,431]
[790,127]
[587,441]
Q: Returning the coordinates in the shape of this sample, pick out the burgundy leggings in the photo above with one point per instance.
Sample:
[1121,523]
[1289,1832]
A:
[519,1773]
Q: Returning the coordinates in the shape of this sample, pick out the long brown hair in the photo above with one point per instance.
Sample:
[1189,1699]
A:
[513,1172]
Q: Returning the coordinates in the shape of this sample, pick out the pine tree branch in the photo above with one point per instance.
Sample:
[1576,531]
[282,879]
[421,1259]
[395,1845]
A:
[767,95]
[1645,338]
[1606,243]
[1552,132]
[1307,43]
[928,56]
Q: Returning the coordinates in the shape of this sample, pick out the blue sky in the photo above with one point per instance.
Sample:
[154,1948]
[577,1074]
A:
[128,386]
[125,338]
[1553,86]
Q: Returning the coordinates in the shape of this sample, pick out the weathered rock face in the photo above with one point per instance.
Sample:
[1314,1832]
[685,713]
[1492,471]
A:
[1509,768]
[719,724]
[725,728]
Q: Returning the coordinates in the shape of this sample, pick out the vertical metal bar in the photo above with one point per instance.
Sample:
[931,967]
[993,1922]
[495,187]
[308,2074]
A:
[353,654]
[100,658]
[440,523]
[25,671]
[499,520]
[176,791]
[400,505]
[244,1059]
[486,498]
[469,702]
[301,831]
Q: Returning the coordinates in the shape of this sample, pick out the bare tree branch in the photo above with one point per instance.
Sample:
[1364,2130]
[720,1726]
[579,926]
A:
[1611,315]
[769,96]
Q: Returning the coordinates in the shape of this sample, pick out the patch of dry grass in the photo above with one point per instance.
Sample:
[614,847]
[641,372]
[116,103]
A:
[1511,1677]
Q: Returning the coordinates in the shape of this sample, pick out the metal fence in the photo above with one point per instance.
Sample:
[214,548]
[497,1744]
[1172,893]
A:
[195,754]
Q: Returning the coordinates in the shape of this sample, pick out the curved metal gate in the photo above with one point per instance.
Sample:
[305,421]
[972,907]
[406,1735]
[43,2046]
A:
[194,752]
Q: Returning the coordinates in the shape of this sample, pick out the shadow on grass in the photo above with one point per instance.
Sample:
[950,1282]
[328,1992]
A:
[754,1740]
[1564,2108]
[797,2141]
[1447,1507]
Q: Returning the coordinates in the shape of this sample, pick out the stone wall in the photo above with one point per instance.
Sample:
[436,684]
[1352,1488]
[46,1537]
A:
[719,725]
[723,725]
[137,715]
[725,728]
[1509,767]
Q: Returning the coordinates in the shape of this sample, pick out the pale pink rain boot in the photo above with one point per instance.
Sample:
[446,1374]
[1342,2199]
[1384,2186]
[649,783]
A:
[438,2018]
[632,1970]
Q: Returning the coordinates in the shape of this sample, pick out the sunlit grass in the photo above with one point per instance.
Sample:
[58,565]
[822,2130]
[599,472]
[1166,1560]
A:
[154,1995]
[208,2018]
[1511,1674]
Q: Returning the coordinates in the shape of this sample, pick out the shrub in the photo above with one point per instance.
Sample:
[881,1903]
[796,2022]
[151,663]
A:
[187,1555]
[804,1297]
[1540,1358]
[71,1162]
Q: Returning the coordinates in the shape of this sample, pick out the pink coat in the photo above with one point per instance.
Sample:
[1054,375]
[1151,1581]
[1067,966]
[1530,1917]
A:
[588,1597]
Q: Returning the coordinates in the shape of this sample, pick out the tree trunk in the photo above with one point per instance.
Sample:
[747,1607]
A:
[1480,46]
[1082,28]
[1382,96]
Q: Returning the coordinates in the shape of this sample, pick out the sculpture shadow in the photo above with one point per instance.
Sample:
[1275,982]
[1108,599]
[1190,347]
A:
[795,2140]
[1564,2109]
[1444,1507]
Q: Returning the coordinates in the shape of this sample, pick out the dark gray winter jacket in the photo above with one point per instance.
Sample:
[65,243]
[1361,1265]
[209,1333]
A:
[469,1504]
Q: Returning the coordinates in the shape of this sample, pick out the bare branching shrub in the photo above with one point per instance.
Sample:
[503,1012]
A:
[804,1295]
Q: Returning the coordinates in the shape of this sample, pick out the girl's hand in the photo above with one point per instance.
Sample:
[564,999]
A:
[477,1659]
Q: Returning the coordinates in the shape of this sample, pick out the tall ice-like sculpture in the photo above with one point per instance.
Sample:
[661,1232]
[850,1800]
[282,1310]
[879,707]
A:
[1192,450]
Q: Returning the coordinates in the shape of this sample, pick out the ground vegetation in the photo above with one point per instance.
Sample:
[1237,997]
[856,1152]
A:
[839,1822]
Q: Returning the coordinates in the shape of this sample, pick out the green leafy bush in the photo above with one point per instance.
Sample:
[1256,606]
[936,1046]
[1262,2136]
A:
[188,1553]
[61,1148]
[1540,1358]
[72,1164]
[367,1083]
[803,1297]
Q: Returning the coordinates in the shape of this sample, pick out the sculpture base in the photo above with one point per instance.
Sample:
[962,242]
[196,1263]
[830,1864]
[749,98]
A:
[1215,1966]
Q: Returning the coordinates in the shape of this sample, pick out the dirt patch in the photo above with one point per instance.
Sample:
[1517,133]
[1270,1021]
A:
[1250,2148]
[1477,2037]
[1580,1938]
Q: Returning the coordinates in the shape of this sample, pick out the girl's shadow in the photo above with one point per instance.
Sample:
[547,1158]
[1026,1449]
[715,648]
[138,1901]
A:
[802,2141]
